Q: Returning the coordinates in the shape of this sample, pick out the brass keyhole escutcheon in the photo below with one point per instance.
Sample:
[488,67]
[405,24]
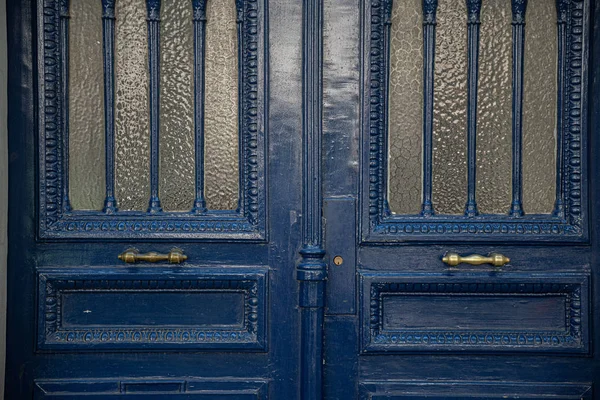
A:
[338,260]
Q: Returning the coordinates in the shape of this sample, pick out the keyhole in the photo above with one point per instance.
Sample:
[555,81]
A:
[338,260]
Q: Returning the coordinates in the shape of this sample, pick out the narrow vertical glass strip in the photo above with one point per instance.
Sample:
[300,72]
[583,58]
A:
[473,10]
[64,45]
[132,142]
[199,15]
[429,21]
[494,108]
[449,108]
[561,12]
[176,105]
[86,166]
[153,9]
[108,33]
[519,7]
[405,106]
[221,138]
[539,108]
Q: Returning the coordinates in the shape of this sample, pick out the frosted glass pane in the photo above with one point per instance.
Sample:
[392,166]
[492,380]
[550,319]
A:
[221,106]
[449,110]
[86,113]
[406,108]
[539,107]
[132,138]
[494,113]
[177,167]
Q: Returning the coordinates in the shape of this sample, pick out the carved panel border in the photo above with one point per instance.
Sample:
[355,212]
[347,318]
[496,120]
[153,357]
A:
[379,225]
[390,390]
[53,283]
[56,221]
[574,339]
[190,388]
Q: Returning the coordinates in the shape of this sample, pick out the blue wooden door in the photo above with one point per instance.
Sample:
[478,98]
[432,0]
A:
[352,199]
[156,199]
[460,199]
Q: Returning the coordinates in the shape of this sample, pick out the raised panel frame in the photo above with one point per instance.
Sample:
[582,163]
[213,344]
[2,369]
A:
[376,339]
[57,221]
[379,225]
[449,390]
[54,282]
[188,388]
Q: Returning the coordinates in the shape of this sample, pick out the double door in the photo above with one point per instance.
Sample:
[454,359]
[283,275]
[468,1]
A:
[305,200]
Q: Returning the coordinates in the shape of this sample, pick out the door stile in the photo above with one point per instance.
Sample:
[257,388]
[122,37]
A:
[312,270]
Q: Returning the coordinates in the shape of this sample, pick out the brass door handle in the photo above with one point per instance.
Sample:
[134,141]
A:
[496,259]
[131,256]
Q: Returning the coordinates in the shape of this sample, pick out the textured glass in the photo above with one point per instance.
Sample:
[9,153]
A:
[221,106]
[494,108]
[406,107]
[177,166]
[86,107]
[539,108]
[132,138]
[449,110]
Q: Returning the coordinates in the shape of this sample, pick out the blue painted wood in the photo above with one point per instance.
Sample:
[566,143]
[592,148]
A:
[153,18]
[64,44]
[340,217]
[562,7]
[476,390]
[387,328]
[108,46]
[473,26]
[246,223]
[329,363]
[379,226]
[199,16]
[312,269]
[429,22]
[519,8]
[62,291]
[190,388]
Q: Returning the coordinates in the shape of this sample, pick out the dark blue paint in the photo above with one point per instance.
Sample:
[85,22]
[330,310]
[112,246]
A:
[518,34]
[473,27]
[199,12]
[326,153]
[429,22]
[153,9]
[108,46]
[64,43]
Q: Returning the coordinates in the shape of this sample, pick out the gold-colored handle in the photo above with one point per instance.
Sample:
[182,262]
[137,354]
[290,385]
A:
[131,256]
[495,259]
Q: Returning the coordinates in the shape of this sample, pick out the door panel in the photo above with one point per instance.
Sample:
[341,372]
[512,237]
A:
[86,323]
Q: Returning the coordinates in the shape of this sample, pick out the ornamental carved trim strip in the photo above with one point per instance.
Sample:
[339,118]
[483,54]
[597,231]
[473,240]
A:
[51,290]
[54,222]
[381,225]
[399,340]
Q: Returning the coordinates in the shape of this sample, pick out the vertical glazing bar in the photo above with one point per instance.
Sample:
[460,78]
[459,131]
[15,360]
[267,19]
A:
[312,270]
[64,45]
[385,98]
[239,6]
[108,33]
[473,25]
[561,11]
[518,37]
[429,21]
[199,16]
[153,8]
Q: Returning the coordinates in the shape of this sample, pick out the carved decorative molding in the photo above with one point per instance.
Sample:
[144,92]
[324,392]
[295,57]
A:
[53,335]
[572,339]
[58,222]
[380,225]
